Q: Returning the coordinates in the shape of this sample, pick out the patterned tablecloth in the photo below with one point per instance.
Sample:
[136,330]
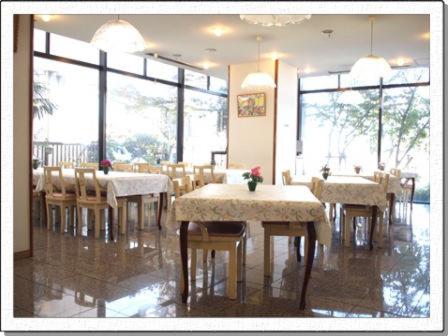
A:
[221,175]
[394,186]
[348,190]
[117,184]
[234,202]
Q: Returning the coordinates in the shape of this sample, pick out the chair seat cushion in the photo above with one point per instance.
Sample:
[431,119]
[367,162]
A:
[224,229]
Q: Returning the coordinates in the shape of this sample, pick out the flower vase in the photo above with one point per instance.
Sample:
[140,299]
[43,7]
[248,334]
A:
[252,185]
[325,175]
[357,170]
[106,170]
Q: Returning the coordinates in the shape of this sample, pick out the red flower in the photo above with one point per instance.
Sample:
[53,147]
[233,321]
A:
[105,163]
[255,171]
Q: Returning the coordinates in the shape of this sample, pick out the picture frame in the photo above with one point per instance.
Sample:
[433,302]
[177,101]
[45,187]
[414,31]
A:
[251,105]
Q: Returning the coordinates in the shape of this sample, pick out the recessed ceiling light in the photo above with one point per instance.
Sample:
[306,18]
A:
[177,55]
[426,36]
[327,32]
[402,61]
[308,69]
[45,17]
[207,65]
[218,30]
[210,50]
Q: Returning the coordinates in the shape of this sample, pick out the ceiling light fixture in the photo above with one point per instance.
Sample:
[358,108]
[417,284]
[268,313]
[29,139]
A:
[274,20]
[370,66]
[218,30]
[258,80]
[118,35]
[45,17]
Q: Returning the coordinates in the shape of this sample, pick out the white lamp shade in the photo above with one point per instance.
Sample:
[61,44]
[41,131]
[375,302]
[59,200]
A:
[118,35]
[258,80]
[370,67]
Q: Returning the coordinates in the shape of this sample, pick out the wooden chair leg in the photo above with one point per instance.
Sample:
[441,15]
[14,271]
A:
[72,215]
[244,249]
[123,219]
[97,222]
[380,237]
[347,231]
[239,261]
[267,252]
[306,247]
[63,218]
[204,256]
[79,220]
[193,263]
[49,217]
[232,280]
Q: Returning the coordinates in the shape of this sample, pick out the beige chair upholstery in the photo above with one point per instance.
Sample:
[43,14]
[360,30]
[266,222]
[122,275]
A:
[122,167]
[66,164]
[89,165]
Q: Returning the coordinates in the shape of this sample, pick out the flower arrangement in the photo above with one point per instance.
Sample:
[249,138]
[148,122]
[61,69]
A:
[254,176]
[357,168]
[381,166]
[106,165]
[325,171]
[35,163]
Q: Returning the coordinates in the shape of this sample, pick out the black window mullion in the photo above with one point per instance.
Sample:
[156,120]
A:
[102,106]
[47,42]
[144,67]
[380,119]
[180,114]
[208,83]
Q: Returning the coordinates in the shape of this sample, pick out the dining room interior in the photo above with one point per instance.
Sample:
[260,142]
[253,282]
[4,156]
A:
[222,165]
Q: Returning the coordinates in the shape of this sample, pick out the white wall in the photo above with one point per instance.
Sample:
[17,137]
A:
[250,140]
[285,154]
[21,136]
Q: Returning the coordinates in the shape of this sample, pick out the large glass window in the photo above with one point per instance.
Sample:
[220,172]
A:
[218,85]
[195,79]
[161,70]
[65,107]
[205,125]
[39,40]
[125,62]
[141,120]
[339,129]
[405,142]
[74,49]
[319,82]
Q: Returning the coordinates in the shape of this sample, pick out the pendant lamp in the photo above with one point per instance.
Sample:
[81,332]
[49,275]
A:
[371,66]
[118,35]
[259,79]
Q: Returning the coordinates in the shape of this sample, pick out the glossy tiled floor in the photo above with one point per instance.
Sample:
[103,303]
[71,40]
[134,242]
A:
[138,276]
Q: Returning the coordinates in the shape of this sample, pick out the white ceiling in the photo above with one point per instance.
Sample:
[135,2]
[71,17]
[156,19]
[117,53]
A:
[302,45]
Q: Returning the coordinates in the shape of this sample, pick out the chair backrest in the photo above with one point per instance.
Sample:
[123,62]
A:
[316,186]
[82,175]
[164,167]
[381,178]
[186,186]
[198,172]
[89,165]
[122,167]
[396,172]
[286,177]
[173,168]
[66,164]
[49,186]
[146,168]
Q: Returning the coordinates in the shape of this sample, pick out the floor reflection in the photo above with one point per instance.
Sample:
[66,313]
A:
[137,275]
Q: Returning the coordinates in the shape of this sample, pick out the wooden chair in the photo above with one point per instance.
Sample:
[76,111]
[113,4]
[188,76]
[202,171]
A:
[288,229]
[349,212]
[220,236]
[122,167]
[60,198]
[286,177]
[96,201]
[146,168]
[66,164]
[89,165]
[199,175]
[177,173]
[164,167]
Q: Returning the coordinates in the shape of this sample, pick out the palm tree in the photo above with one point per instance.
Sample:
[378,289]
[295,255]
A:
[42,105]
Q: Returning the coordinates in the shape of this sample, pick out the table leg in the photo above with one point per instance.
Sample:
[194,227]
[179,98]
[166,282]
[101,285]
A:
[42,204]
[311,237]
[372,227]
[391,207]
[111,222]
[184,258]
[159,210]
[141,212]
[412,190]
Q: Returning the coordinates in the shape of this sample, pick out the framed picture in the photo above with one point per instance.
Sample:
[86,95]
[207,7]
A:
[252,105]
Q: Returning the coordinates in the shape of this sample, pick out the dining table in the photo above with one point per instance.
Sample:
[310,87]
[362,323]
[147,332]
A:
[350,190]
[393,188]
[116,184]
[220,174]
[234,202]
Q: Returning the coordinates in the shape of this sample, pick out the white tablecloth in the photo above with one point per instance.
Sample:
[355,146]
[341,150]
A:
[394,186]
[117,184]
[234,202]
[348,190]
